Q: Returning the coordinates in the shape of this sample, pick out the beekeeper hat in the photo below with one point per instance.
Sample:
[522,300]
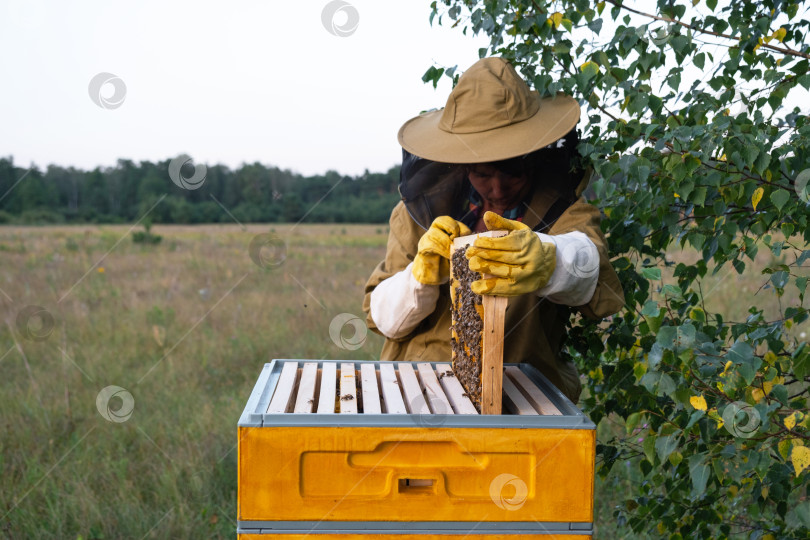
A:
[491,115]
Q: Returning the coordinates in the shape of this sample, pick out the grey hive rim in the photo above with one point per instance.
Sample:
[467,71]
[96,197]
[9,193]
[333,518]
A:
[253,414]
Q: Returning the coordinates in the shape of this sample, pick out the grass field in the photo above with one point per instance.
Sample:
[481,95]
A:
[184,327]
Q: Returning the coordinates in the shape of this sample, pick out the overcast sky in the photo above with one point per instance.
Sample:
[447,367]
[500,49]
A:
[225,82]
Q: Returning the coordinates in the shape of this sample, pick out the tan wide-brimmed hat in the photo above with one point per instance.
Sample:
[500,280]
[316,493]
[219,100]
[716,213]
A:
[490,115]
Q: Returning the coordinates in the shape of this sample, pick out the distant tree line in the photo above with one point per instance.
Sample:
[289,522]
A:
[251,193]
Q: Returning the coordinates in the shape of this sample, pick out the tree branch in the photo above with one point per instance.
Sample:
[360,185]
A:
[782,50]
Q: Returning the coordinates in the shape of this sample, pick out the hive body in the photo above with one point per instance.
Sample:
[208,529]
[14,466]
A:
[419,462]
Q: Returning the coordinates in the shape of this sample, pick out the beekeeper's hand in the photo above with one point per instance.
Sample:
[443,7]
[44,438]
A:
[519,262]
[431,266]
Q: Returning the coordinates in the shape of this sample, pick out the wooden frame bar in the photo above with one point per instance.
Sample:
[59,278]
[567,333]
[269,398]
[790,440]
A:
[284,389]
[414,399]
[514,401]
[305,400]
[392,395]
[455,392]
[436,399]
[348,389]
[531,392]
[326,398]
[371,394]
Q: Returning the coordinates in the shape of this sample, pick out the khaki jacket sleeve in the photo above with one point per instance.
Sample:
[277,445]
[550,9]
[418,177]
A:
[608,298]
[403,241]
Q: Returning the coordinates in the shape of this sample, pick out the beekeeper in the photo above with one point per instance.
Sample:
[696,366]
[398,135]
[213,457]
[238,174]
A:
[496,157]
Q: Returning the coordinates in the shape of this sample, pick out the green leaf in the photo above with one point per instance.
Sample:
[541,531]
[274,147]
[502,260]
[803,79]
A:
[676,338]
[718,467]
[750,154]
[780,393]
[697,314]
[666,337]
[675,458]
[655,356]
[658,383]
[699,196]
[699,473]
[672,290]
[664,446]
[632,421]
[748,373]
[695,416]
[742,355]
[433,75]
[651,273]
[801,366]
[650,309]
[801,284]
[589,69]
[648,445]
[779,198]
[780,279]
[799,516]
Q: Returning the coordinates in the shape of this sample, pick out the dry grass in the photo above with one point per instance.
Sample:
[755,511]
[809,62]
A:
[185,327]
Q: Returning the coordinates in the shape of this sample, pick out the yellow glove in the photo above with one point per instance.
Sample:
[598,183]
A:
[519,262]
[431,265]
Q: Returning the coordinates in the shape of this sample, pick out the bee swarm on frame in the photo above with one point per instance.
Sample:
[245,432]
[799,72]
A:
[468,326]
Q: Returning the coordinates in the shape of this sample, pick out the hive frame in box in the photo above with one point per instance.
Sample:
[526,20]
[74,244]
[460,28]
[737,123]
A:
[492,334]
[289,507]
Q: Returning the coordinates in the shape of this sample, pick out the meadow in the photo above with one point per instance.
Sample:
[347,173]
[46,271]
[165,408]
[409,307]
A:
[183,327]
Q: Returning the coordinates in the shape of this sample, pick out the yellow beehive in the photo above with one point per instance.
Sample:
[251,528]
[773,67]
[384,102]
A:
[389,450]
[402,536]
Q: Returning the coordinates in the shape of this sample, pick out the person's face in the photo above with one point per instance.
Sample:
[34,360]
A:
[499,190]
